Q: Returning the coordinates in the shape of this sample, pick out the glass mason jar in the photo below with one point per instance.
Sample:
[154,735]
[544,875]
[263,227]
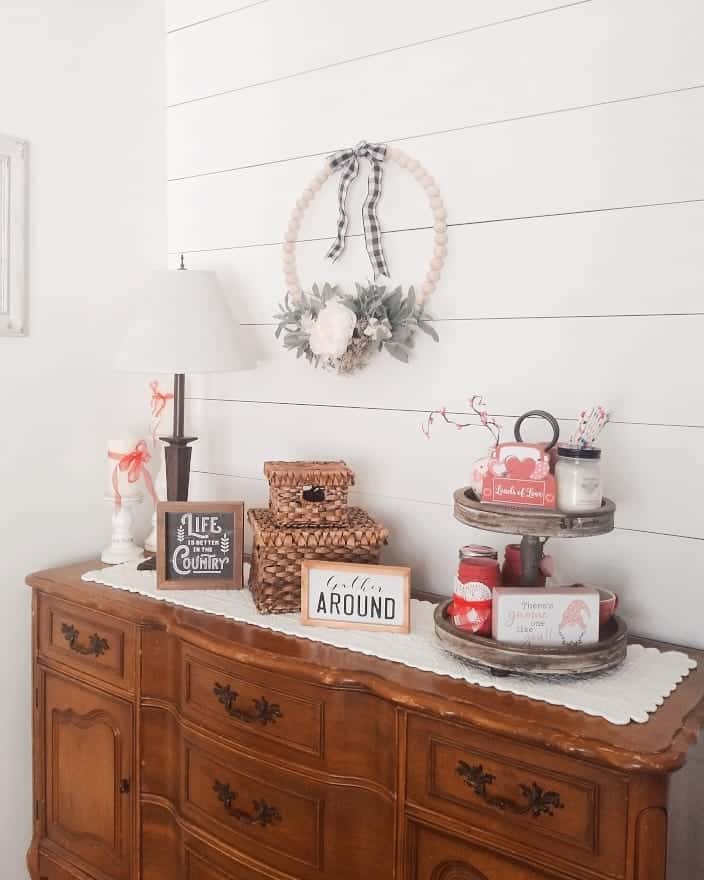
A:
[578,476]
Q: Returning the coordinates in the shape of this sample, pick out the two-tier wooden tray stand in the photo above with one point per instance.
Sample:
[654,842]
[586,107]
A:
[535,526]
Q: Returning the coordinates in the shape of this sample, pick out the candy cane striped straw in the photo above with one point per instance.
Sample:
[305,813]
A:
[589,426]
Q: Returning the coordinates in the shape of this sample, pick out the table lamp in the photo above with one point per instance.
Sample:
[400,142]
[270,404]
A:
[183,325]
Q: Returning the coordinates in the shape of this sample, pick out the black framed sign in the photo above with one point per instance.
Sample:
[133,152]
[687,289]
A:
[199,545]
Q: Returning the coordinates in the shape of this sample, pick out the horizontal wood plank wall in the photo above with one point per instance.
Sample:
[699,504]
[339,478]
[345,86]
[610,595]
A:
[567,141]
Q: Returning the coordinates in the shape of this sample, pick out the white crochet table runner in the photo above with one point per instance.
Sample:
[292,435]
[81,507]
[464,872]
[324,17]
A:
[626,694]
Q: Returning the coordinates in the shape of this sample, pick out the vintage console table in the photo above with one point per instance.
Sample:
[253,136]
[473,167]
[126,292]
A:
[172,744]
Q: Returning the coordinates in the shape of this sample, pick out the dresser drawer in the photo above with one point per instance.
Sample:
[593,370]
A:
[248,806]
[98,644]
[233,699]
[531,798]
[285,821]
[280,715]
[171,851]
[433,855]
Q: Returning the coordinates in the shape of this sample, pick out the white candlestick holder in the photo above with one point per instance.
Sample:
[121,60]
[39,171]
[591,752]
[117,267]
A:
[122,547]
[160,489]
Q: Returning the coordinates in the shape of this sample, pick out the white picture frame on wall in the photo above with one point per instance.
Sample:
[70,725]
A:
[13,235]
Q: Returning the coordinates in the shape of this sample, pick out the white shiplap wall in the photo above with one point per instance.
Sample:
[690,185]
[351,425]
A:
[567,141]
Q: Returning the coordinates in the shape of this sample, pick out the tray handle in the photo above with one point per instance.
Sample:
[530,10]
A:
[538,414]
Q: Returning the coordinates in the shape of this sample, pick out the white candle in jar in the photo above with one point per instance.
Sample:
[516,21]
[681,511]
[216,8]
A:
[122,446]
[578,476]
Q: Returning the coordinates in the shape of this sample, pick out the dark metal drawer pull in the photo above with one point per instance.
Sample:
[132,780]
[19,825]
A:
[264,711]
[263,814]
[96,645]
[539,801]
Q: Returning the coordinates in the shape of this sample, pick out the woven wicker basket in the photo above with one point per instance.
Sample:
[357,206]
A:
[277,553]
[305,493]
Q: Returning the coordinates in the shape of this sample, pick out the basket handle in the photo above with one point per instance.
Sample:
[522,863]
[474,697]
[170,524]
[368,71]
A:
[538,414]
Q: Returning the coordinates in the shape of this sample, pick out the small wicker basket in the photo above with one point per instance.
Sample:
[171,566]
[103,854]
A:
[303,493]
[277,553]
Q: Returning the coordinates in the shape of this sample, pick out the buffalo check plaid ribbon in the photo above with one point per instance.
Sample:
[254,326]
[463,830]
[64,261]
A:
[348,162]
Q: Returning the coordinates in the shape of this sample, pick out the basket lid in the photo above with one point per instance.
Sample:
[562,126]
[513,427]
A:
[358,530]
[308,473]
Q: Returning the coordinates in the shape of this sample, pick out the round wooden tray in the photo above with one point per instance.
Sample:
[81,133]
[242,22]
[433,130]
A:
[503,659]
[532,521]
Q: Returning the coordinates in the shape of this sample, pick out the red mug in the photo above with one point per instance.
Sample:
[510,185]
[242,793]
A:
[608,603]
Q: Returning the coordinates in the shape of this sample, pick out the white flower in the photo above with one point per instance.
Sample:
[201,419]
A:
[331,333]
[377,329]
[307,322]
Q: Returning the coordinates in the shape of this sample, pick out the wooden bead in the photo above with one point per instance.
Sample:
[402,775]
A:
[439,225]
[427,289]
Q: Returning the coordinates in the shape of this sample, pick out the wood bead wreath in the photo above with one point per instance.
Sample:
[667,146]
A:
[339,331]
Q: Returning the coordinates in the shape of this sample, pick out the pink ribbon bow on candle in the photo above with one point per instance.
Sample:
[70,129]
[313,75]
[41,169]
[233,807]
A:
[158,404]
[159,398]
[134,463]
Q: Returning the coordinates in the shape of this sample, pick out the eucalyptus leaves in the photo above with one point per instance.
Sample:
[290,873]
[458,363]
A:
[341,332]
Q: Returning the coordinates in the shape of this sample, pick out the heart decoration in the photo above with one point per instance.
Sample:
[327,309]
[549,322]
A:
[519,469]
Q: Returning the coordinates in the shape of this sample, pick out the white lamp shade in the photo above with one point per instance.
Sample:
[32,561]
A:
[183,324]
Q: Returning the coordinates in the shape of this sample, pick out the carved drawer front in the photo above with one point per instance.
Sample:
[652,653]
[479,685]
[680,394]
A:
[97,644]
[201,867]
[239,701]
[284,820]
[436,856]
[171,851]
[537,802]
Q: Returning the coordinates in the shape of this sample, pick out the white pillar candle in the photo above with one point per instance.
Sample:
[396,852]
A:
[120,446]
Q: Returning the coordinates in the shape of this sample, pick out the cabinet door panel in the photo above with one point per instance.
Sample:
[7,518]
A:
[88,748]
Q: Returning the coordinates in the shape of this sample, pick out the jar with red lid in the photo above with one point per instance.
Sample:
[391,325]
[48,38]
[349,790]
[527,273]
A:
[477,575]
[512,569]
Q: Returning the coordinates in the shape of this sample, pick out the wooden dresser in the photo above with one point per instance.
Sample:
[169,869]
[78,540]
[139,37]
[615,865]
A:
[171,744]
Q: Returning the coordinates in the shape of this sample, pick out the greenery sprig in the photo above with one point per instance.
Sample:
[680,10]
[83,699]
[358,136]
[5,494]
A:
[385,319]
